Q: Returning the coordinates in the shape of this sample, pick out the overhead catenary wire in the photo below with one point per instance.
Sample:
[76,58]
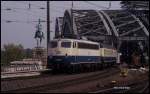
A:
[30,12]
[25,11]
[27,8]
[31,4]
[21,21]
[10,9]
[20,9]
[40,7]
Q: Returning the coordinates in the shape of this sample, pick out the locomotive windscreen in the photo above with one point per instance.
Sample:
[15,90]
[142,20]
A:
[53,44]
[66,44]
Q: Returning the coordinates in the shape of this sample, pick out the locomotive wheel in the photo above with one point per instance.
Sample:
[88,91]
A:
[65,68]
[96,66]
[99,66]
[92,67]
[69,69]
[108,64]
[87,68]
[54,68]
[81,69]
[73,68]
[78,69]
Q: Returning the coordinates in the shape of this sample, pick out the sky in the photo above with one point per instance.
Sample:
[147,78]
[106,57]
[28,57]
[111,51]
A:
[22,31]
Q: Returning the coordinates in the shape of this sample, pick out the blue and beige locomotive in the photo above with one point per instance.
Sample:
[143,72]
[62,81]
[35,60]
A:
[71,55]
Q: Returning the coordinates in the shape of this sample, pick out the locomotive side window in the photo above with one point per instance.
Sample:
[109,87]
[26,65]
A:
[53,44]
[88,46]
[66,44]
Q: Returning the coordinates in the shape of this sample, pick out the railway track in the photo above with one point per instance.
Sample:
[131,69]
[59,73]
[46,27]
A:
[139,87]
[134,87]
[65,83]
[130,87]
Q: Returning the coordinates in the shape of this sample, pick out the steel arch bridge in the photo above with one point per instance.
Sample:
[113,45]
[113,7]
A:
[112,27]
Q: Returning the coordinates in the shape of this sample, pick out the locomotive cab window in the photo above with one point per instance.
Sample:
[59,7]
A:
[66,44]
[53,44]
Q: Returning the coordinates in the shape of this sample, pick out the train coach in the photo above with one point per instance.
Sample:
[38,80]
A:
[72,55]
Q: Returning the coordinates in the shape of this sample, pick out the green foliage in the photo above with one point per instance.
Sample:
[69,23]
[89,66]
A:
[3,58]
[11,53]
[28,53]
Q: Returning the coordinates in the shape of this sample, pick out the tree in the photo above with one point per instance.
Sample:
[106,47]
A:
[12,53]
[3,57]
[28,53]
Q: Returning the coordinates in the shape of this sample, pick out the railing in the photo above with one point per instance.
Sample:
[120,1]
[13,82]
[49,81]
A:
[20,68]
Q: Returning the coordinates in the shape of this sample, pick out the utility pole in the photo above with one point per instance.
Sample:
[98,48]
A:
[109,5]
[72,15]
[48,24]
[72,5]
[48,29]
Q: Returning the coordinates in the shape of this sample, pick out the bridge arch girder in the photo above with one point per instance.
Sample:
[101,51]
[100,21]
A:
[104,26]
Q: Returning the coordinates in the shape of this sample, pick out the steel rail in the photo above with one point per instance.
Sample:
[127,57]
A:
[66,83]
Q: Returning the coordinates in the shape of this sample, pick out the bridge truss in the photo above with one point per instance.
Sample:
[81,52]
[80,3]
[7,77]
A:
[127,31]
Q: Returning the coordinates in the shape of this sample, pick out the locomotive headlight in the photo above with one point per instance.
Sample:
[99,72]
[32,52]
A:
[66,55]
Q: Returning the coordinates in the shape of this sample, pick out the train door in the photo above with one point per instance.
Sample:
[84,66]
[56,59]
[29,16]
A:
[74,66]
[75,51]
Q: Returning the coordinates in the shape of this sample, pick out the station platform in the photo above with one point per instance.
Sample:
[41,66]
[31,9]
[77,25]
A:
[22,73]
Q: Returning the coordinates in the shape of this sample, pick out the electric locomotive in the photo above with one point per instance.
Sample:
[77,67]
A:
[76,55]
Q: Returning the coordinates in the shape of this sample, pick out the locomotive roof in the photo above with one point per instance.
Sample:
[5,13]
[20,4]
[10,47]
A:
[77,40]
